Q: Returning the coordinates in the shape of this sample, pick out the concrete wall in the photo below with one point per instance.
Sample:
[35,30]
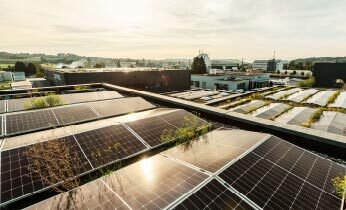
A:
[157,81]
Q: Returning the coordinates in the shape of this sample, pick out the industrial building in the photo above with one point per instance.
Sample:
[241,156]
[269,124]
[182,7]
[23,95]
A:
[156,80]
[268,65]
[231,81]
[329,74]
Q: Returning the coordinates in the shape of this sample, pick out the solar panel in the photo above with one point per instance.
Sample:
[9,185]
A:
[2,106]
[135,104]
[246,108]
[151,129]
[153,183]
[29,121]
[214,150]
[95,195]
[68,99]
[109,108]
[95,96]
[25,103]
[274,110]
[105,145]
[213,196]
[74,114]
[17,179]
[18,104]
[180,117]
[279,175]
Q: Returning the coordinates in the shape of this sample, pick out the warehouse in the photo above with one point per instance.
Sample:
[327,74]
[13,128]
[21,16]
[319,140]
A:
[156,80]
[329,74]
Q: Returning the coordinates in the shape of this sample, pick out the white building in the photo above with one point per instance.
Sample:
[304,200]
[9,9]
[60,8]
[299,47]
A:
[268,65]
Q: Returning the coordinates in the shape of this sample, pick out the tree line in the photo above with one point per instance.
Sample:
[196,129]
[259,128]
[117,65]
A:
[30,69]
[293,65]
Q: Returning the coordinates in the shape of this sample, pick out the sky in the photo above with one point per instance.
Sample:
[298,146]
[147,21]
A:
[249,29]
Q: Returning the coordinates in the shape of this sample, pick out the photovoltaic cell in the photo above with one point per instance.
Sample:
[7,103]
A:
[135,104]
[2,106]
[213,196]
[105,145]
[109,108]
[214,150]
[18,104]
[151,129]
[74,114]
[16,177]
[22,122]
[207,155]
[246,108]
[153,183]
[279,175]
[95,195]
[179,117]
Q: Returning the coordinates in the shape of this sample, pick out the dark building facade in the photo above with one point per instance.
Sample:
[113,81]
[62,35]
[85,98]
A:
[151,80]
[329,74]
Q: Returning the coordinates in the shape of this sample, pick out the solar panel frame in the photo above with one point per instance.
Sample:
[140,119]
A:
[177,118]
[164,181]
[150,129]
[291,185]
[18,123]
[109,108]
[74,114]
[109,144]
[16,178]
[213,195]
[3,104]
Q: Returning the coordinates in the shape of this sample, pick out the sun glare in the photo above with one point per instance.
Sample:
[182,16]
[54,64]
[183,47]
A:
[147,168]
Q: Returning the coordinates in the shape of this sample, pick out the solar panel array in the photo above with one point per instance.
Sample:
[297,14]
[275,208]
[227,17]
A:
[296,116]
[278,175]
[301,95]
[272,111]
[333,122]
[340,101]
[91,149]
[268,173]
[246,108]
[279,95]
[21,104]
[320,98]
[23,122]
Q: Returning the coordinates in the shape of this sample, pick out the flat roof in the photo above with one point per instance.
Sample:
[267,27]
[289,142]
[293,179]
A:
[92,70]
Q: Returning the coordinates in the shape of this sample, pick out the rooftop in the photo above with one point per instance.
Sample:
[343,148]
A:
[130,153]
[67,70]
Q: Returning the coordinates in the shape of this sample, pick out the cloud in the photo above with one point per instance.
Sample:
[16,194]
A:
[156,28]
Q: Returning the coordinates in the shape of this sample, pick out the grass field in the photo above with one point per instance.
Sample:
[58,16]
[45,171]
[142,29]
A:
[7,60]
[48,65]
[5,65]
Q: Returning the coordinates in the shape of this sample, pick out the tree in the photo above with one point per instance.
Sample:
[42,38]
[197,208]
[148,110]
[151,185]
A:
[30,69]
[99,65]
[198,66]
[294,72]
[118,64]
[285,72]
[278,72]
[19,66]
[302,73]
